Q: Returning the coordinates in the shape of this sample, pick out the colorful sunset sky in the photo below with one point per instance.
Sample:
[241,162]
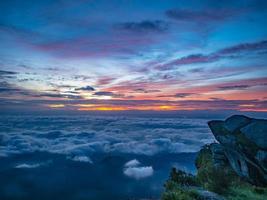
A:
[115,55]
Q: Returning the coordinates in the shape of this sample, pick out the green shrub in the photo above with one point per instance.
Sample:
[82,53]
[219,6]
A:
[176,188]
[174,191]
[259,190]
[204,157]
[218,180]
[182,178]
[245,191]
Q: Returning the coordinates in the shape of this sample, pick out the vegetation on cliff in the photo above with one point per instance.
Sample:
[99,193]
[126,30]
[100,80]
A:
[222,181]
[179,186]
[233,169]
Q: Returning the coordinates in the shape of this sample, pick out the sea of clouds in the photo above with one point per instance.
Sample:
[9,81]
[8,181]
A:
[78,137]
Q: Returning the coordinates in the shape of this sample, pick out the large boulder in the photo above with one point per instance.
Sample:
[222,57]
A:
[243,142]
[256,131]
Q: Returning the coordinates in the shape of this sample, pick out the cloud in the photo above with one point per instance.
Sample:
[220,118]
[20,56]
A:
[224,53]
[132,163]
[183,95]
[141,90]
[6,87]
[74,39]
[32,165]
[208,17]
[54,95]
[178,95]
[57,95]
[243,84]
[27,166]
[14,90]
[104,93]
[82,77]
[133,170]
[8,90]
[3,73]
[234,87]
[139,172]
[144,26]
[110,94]
[81,159]
[244,47]
[14,104]
[122,102]
[77,139]
[86,88]
[187,60]
[105,80]
[199,16]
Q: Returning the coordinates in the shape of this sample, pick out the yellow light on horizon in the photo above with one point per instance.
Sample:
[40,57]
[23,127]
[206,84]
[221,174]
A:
[102,108]
[56,105]
[165,107]
[85,105]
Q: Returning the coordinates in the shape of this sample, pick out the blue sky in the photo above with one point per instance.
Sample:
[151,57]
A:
[133,55]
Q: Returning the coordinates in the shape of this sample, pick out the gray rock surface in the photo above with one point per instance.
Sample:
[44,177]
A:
[205,194]
[243,143]
[261,156]
[234,122]
[256,131]
[218,155]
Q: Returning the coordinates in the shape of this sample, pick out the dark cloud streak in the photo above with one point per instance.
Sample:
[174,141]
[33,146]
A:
[86,88]
[234,87]
[144,26]
[203,16]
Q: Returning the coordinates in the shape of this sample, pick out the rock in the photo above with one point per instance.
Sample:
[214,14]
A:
[243,143]
[205,194]
[237,162]
[234,122]
[221,133]
[218,155]
[256,131]
[261,156]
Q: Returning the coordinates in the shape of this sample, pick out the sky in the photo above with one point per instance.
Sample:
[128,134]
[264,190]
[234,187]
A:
[117,55]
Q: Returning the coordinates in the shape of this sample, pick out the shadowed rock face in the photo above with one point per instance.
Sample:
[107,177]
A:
[256,131]
[243,142]
[235,122]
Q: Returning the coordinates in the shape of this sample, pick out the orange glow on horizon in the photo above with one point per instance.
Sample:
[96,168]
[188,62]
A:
[167,107]
[172,106]
[125,108]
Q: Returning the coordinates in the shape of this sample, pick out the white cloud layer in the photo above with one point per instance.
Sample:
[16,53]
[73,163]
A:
[79,136]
